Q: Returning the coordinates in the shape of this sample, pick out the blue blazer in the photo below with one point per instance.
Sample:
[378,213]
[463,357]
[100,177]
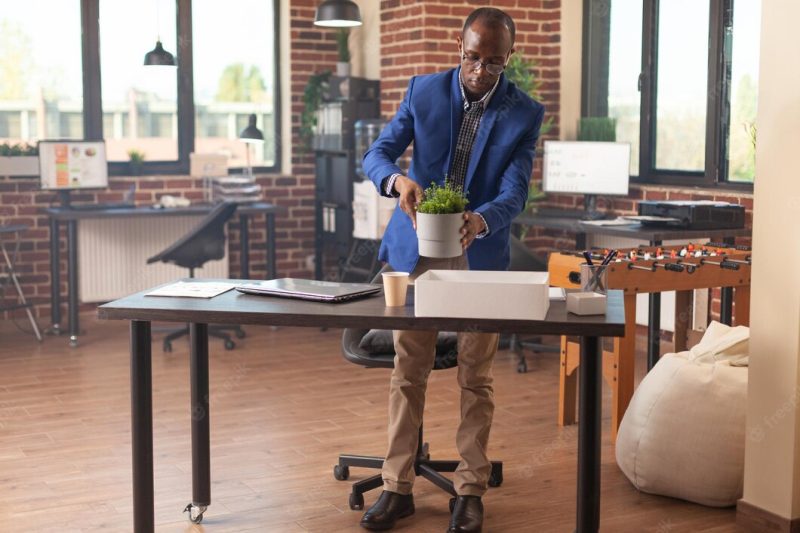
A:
[499,168]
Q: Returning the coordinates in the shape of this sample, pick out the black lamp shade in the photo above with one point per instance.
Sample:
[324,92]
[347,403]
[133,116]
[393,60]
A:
[159,57]
[338,14]
[251,134]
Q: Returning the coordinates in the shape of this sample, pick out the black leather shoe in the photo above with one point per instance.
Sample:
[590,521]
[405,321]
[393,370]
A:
[385,512]
[467,515]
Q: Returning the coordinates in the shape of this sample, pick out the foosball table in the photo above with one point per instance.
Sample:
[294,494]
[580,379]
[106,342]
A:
[683,269]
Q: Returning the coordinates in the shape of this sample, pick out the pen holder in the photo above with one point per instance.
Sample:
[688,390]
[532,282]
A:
[594,278]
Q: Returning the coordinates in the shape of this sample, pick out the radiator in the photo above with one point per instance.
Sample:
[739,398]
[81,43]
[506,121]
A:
[113,253]
[700,319]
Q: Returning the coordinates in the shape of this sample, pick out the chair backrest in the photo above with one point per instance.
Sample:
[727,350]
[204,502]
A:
[204,243]
[523,259]
[446,356]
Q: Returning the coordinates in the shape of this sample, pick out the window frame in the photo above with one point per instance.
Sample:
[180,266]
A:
[92,95]
[594,94]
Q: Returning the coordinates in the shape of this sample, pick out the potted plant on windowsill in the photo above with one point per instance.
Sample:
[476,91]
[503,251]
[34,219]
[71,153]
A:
[440,216]
[19,160]
[136,162]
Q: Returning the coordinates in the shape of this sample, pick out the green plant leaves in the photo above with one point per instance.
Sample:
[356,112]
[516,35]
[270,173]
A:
[445,200]
[8,149]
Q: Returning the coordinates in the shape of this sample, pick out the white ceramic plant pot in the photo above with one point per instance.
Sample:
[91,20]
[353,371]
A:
[342,69]
[439,235]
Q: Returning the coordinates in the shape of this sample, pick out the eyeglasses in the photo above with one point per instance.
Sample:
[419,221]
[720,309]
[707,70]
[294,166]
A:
[475,64]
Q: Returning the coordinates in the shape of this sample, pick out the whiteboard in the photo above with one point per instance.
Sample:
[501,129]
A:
[73,165]
[586,167]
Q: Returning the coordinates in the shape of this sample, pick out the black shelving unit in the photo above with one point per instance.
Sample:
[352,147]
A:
[335,157]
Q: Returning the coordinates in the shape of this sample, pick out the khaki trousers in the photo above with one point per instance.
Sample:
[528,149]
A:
[413,362]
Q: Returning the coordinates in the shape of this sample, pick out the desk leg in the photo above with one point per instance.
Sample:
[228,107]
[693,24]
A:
[580,241]
[726,295]
[272,268]
[142,427]
[201,438]
[589,433]
[72,281]
[55,278]
[244,242]
[653,329]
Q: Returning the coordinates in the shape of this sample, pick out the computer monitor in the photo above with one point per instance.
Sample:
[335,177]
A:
[69,165]
[587,167]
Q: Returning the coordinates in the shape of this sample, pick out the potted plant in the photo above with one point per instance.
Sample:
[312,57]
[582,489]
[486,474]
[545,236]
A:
[343,47]
[136,161]
[312,98]
[440,216]
[599,129]
[19,159]
[521,72]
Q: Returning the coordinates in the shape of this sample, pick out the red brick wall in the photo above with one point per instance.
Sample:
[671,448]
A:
[418,37]
[311,50]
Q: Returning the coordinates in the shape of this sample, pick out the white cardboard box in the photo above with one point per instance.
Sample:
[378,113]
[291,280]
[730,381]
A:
[482,294]
[208,165]
[371,211]
[586,303]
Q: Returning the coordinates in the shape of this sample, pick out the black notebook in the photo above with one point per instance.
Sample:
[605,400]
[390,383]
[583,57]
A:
[309,289]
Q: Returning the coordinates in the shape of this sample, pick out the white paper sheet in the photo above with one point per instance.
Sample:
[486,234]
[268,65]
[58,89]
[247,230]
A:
[192,289]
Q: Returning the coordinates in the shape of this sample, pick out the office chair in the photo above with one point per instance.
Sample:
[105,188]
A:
[522,259]
[205,242]
[446,357]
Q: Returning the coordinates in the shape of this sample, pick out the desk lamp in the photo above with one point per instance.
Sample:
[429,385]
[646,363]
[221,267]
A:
[251,135]
[338,14]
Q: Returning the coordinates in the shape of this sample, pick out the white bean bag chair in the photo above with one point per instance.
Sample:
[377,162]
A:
[683,434]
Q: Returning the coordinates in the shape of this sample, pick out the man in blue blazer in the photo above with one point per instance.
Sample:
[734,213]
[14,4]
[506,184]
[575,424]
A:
[474,129]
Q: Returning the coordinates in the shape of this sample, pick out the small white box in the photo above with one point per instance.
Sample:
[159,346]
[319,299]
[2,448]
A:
[208,165]
[586,303]
[371,211]
[482,294]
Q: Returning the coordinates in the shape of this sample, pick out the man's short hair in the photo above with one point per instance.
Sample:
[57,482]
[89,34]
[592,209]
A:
[491,17]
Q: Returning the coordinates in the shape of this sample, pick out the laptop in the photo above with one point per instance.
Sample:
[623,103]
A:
[309,289]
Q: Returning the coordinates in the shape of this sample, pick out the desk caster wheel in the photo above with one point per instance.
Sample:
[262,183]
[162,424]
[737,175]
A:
[522,367]
[496,478]
[195,512]
[230,345]
[240,334]
[340,472]
[167,346]
[452,505]
[356,501]
[73,341]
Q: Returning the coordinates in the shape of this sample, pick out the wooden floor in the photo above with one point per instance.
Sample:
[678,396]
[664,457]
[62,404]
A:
[283,405]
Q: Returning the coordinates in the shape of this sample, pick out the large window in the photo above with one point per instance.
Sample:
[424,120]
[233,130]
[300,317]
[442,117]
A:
[40,64]
[680,79]
[74,69]
[140,103]
[233,82]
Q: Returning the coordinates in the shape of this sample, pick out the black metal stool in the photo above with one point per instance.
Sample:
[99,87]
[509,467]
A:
[10,275]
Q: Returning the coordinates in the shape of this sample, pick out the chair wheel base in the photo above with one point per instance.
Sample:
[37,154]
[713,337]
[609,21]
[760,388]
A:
[356,501]
[495,479]
[341,473]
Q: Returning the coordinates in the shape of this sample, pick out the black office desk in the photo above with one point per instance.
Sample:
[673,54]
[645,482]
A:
[71,217]
[654,236]
[235,308]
